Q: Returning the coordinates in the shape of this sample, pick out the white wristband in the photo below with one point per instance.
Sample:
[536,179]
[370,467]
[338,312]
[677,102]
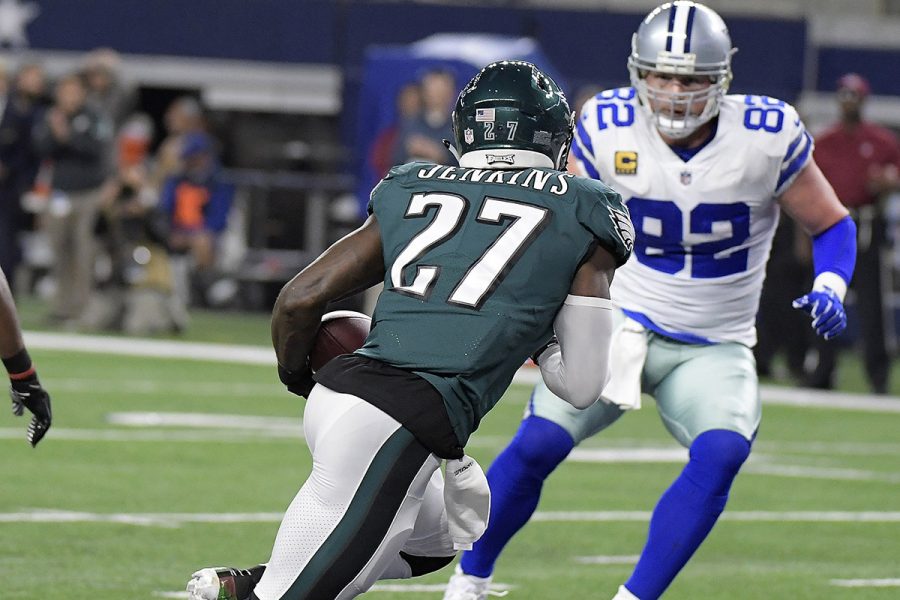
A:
[829,279]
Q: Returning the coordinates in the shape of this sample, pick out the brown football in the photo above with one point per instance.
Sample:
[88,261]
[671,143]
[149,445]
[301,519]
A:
[341,332]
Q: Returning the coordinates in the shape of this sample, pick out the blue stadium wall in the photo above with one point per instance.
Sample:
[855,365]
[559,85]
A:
[592,46]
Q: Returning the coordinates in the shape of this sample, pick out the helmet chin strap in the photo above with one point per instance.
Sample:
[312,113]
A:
[452,149]
[561,157]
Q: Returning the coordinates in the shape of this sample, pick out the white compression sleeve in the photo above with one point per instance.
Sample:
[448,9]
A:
[577,368]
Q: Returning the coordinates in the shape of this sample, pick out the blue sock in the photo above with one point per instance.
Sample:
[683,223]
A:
[516,478]
[687,511]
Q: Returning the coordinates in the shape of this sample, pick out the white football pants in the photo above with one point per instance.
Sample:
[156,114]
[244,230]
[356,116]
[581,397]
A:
[374,491]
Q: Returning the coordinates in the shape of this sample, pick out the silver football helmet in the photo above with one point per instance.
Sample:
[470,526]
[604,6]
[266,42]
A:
[685,39]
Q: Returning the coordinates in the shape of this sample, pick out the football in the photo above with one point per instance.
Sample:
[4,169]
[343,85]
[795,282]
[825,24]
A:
[341,332]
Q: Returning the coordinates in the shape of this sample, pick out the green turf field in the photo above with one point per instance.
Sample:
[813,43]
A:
[128,493]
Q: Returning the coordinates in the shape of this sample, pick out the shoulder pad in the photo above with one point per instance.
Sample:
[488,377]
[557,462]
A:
[601,211]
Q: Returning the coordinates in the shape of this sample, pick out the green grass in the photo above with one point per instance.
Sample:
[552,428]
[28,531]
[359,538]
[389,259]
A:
[89,464]
[231,327]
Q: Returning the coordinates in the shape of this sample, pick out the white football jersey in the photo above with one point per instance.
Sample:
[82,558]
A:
[703,227]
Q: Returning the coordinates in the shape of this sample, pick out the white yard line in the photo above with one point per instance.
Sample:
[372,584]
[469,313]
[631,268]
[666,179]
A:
[744,516]
[396,588]
[837,447]
[414,588]
[626,455]
[219,436]
[759,464]
[98,344]
[426,587]
[118,387]
[832,474]
[144,519]
[261,355]
[178,519]
[607,560]
[193,427]
[787,396]
[190,427]
[203,420]
[865,582]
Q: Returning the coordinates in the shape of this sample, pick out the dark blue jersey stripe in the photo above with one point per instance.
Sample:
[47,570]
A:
[584,138]
[792,147]
[589,167]
[679,336]
[797,163]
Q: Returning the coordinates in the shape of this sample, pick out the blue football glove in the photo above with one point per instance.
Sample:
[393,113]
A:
[827,311]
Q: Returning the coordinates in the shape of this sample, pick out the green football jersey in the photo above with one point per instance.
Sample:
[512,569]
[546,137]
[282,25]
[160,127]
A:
[478,262]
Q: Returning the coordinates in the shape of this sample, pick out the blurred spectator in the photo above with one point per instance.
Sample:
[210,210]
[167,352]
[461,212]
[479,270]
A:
[409,107]
[861,160]
[779,326]
[183,116]
[421,138]
[197,202]
[136,293]
[18,161]
[76,140]
[107,94]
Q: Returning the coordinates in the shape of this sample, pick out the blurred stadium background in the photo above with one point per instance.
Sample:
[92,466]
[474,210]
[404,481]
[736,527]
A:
[172,454]
[297,92]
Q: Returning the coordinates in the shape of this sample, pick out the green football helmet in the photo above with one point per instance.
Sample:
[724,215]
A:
[512,116]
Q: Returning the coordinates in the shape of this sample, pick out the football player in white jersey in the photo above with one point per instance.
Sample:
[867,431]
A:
[704,176]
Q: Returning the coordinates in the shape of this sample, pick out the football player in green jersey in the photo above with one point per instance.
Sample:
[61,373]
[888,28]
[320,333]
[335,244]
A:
[25,389]
[483,264]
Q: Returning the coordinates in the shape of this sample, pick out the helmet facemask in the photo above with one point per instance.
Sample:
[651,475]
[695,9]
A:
[681,39]
[672,112]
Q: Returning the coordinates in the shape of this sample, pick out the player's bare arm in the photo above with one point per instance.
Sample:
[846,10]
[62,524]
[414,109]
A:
[573,167]
[25,389]
[811,201]
[10,333]
[594,277]
[352,264]
[577,367]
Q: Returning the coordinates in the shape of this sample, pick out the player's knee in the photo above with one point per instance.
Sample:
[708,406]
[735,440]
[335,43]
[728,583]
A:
[541,444]
[716,458]
[420,565]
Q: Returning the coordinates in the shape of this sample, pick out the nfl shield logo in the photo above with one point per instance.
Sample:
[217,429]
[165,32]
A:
[469,135]
[685,178]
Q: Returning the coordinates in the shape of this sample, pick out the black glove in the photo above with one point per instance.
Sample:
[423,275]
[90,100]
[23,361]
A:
[542,349]
[298,382]
[28,393]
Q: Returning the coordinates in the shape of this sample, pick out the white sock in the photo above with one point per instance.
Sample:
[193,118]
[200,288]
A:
[458,570]
[624,594]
